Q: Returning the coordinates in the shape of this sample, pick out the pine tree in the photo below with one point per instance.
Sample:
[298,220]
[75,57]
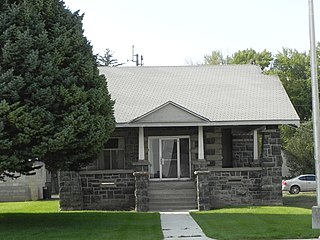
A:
[54,105]
[107,59]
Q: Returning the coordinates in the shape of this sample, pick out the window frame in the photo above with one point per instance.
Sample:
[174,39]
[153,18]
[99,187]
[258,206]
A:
[110,151]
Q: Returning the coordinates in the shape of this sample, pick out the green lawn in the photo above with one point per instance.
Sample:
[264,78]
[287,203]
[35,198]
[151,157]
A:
[291,221]
[303,200]
[42,220]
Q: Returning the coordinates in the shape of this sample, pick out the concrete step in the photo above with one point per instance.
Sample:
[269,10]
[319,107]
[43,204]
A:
[172,196]
[161,207]
[171,209]
[188,200]
[172,185]
[177,192]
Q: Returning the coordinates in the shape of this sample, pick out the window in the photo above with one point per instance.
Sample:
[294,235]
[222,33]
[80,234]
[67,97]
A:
[311,178]
[304,178]
[112,156]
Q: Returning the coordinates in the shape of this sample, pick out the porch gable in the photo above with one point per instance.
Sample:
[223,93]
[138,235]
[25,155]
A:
[170,112]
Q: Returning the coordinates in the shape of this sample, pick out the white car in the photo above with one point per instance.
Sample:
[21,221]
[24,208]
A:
[302,183]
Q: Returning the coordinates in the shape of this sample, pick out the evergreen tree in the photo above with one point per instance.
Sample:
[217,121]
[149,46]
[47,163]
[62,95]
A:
[298,148]
[107,59]
[54,105]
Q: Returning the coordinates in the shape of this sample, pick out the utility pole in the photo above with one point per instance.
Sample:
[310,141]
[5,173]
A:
[135,58]
[315,114]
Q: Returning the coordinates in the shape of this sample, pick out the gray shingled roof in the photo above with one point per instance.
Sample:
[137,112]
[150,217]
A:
[220,93]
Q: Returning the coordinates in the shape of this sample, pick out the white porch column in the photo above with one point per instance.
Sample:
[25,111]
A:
[200,143]
[141,144]
[255,145]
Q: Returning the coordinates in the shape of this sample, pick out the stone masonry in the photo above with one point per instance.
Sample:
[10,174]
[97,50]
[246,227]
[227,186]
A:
[248,182]
[242,149]
[213,146]
[98,190]
[141,175]
[244,186]
[141,191]
[271,163]
[228,187]
[70,191]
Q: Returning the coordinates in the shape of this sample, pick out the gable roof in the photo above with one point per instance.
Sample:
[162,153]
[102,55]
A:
[222,94]
[170,112]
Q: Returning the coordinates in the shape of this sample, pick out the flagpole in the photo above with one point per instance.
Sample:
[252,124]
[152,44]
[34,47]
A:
[315,113]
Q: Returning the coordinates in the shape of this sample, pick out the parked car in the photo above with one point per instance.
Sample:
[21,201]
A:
[302,183]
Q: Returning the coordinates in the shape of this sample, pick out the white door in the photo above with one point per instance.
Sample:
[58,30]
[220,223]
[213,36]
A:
[169,158]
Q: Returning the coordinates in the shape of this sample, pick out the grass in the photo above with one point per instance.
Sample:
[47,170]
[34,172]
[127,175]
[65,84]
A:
[304,200]
[264,222]
[42,220]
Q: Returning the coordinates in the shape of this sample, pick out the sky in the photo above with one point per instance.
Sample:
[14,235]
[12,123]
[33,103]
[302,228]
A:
[181,32]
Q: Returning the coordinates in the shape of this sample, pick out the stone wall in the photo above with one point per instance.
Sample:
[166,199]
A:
[108,190]
[70,191]
[141,191]
[98,190]
[242,149]
[213,146]
[229,187]
[245,185]
[271,163]
[250,182]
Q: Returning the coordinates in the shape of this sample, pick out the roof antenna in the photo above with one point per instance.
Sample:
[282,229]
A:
[135,58]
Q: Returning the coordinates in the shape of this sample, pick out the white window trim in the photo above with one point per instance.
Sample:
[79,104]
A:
[255,145]
[116,149]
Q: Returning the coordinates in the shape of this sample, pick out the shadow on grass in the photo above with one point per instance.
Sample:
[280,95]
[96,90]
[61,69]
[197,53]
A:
[302,200]
[80,225]
[256,226]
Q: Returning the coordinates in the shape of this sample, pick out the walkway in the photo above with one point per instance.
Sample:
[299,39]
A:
[180,225]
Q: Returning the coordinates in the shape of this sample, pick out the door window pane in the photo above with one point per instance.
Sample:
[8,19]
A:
[184,158]
[169,158]
[154,158]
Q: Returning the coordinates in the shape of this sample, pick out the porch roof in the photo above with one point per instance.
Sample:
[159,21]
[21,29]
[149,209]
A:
[212,94]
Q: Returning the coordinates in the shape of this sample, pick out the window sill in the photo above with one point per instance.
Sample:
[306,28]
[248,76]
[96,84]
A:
[106,171]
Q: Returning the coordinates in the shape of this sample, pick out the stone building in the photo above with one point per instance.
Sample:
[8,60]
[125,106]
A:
[188,137]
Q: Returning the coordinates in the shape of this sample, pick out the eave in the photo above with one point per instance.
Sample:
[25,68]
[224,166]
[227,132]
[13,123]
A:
[295,122]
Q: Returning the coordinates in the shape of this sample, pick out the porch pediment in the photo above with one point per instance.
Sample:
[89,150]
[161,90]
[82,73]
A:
[170,112]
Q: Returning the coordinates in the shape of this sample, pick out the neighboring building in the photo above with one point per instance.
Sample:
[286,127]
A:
[25,188]
[187,137]
[285,169]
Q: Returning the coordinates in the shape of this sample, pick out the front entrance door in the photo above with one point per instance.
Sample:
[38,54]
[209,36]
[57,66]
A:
[169,158]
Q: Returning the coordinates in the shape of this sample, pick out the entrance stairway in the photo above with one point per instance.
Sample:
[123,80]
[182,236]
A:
[170,196]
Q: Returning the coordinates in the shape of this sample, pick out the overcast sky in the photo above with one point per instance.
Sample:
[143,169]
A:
[174,32]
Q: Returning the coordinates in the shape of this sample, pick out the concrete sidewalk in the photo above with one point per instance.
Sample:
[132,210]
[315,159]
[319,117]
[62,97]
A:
[180,225]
